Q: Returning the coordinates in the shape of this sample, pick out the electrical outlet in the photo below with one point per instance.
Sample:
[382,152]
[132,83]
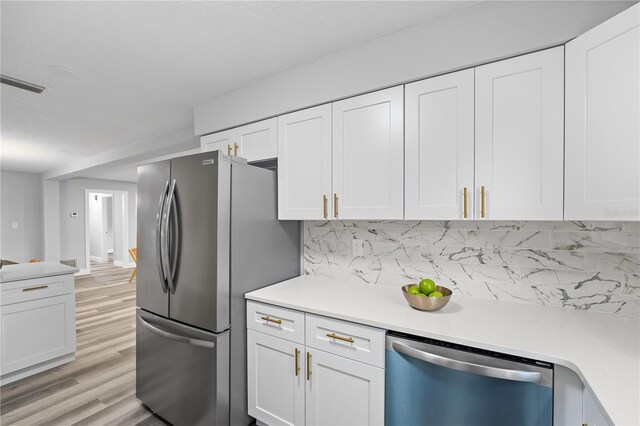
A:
[357,247]
[14,225]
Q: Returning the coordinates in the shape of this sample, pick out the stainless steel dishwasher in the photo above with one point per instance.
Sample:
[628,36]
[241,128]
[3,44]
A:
[429,382]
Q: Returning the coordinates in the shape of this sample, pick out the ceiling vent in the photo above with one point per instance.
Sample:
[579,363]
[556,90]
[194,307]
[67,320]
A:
[24,85]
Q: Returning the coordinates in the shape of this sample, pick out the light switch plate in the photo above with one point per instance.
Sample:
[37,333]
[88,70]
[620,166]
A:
[14,225]
[357,247]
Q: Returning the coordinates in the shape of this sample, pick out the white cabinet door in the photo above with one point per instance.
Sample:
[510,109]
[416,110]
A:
[439,114]
[257,141]
[37,331]
[343,392]
[603,121]
[221,141]
[304,164]
[276,375]
[519,137]
[591,413]
[368,156]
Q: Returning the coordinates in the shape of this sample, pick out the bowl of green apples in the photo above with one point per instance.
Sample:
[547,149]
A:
[426,295]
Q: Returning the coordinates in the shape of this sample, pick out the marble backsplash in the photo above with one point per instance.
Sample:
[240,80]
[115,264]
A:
[576,265]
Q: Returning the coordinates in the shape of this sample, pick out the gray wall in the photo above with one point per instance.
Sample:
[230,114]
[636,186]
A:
[72,229]
[477,34]
[21,203]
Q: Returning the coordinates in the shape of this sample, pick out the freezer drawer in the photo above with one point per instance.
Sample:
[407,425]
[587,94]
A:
[182,372]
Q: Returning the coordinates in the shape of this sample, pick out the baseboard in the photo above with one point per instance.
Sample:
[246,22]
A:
[118,263]
[34,369]
[131,265]
[82,272]
[110,251]
[98,259]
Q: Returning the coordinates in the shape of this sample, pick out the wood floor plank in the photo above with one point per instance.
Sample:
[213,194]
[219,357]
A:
[98,388]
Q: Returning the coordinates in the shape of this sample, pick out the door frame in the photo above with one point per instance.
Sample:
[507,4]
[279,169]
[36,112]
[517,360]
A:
[125,227]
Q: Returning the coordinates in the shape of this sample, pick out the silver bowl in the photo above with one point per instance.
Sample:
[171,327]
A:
[427,303]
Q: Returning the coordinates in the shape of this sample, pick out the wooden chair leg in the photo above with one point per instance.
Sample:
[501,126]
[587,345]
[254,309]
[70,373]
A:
[133,275]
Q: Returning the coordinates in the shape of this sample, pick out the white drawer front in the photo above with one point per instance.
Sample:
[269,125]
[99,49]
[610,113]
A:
[359,342]
[280,322]
[37,288]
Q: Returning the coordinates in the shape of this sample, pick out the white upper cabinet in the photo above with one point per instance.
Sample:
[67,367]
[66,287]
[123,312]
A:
[221,141]
[304,164]
[368,156]
[602,153]
[519,137]
[439,146]
[258,141]
[255,141]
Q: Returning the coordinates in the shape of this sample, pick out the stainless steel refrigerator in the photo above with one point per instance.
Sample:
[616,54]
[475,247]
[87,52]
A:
[207,233]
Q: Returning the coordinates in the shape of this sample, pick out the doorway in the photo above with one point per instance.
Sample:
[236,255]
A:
[107,228]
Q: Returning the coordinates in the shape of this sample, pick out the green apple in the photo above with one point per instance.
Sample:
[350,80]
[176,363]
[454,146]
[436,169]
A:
[421,294]
[413,290]
[435,294]
[427,286]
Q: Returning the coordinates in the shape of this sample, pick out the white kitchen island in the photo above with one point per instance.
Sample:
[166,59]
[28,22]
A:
[37,318]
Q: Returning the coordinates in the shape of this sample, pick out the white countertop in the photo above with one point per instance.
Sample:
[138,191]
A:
[27,271]
[603,349]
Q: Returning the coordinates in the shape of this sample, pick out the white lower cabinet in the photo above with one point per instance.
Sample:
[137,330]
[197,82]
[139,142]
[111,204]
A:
[341,391]
[276,379]
[290,383]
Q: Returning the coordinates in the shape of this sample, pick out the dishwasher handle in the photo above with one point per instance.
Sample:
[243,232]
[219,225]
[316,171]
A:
[467,367]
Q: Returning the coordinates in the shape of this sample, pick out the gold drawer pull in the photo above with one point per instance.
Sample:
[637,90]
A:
[297,361]
[308,365]
[335,206]
[268,319]
[482,201]
[235,149]
[344,339]
[229,150]
[40,287]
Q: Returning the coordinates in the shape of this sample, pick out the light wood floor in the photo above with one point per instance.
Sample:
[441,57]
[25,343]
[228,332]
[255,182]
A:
[98,388]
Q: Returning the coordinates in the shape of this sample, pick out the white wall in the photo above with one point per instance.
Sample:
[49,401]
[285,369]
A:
[51,213]
[478,34]
[21,203]
[72,199]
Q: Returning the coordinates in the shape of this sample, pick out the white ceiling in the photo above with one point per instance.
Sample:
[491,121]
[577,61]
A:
[139,67]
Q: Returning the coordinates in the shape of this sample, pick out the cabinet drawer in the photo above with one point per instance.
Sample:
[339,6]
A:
[37,288]
[280,322]
[359,342]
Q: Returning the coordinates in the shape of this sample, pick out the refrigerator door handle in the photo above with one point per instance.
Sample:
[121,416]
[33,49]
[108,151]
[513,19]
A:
[163,278]
[164,235]
[188,340]
[467,367]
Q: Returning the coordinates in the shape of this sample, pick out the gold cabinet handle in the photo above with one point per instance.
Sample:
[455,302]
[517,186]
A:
[235,149]
[335,205]
[324,200]
[297,362]
[269,319]
[464,195]
[482,201]
[308,366]
[39,287]
[344,339]
[229,150]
